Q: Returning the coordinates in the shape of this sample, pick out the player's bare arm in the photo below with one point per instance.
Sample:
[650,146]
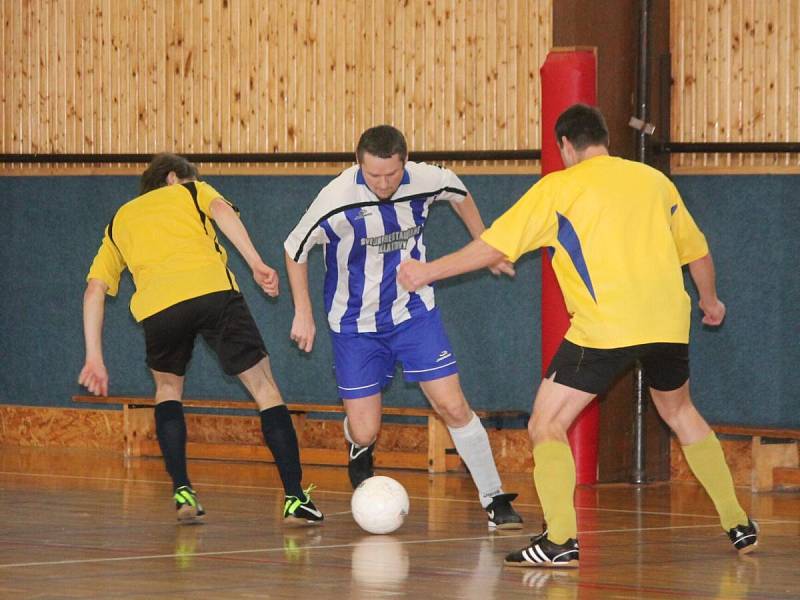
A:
[468,212]
[93,375]
[704,277]
[413,274]
[231,225]
[303,327]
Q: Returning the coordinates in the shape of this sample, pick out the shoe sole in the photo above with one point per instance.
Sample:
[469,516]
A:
[505,526]
[188,514]
[573,564]
[292,521]
[747,549]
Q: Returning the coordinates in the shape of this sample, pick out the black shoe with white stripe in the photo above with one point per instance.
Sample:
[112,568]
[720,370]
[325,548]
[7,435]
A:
[744,537]
[359,463]
[543,553]
[501,514]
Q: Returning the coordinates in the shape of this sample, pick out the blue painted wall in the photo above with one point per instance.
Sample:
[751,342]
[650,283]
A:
[741,373]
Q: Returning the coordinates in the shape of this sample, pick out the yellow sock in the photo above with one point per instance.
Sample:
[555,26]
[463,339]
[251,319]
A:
[554,477]
[708,464]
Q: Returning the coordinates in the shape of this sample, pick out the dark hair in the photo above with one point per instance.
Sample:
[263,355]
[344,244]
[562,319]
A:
[383,141]
[155,175]
[583,126]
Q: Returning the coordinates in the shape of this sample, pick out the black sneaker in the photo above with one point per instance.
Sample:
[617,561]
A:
[744,537]
[501,514]
[301,512]
[543,553]
[359,463]
[188,506]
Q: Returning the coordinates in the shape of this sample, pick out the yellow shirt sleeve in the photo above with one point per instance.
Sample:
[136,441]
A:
[108,265]
[206,194]
[529,224]
[689,240]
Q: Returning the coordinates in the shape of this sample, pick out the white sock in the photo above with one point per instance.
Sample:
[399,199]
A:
[472,444]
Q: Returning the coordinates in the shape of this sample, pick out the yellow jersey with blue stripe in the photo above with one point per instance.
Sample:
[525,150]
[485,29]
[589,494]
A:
[166,238]
[618,233]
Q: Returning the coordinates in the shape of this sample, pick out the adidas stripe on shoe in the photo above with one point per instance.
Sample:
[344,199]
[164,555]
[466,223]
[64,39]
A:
[543,553]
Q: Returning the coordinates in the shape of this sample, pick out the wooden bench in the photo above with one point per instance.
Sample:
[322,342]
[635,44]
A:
[774,453]
[140,440]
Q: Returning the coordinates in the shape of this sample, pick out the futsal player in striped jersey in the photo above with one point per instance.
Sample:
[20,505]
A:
[369,219]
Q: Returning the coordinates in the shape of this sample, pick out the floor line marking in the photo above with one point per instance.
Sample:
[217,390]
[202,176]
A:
[319,491]
[335,546]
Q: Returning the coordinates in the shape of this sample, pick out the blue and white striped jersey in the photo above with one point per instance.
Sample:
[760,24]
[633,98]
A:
[365,239]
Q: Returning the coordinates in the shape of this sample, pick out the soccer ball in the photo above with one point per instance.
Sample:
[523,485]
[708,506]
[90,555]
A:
[379,504]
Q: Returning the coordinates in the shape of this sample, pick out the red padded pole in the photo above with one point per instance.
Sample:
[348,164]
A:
[568,76]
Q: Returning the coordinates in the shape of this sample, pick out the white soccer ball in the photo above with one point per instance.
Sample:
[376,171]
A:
[379,504]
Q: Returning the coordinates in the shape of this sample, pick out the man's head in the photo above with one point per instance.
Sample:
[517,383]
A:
[381,153]
[579,128]
[164,169]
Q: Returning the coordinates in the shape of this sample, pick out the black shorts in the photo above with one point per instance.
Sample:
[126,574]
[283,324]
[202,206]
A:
[224,321]
[665,367]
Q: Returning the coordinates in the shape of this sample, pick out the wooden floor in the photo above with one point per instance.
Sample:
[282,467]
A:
[79,524]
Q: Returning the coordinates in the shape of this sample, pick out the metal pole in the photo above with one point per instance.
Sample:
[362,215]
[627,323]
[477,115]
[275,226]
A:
[638,475]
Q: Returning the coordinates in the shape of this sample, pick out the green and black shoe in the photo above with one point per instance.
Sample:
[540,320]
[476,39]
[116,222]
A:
[188,506]
[301,512]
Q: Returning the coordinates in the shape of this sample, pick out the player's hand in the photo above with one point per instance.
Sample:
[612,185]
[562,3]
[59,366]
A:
[94,377]
[412,274]
[504,267]
[303,331]
[267,278]
[713,311]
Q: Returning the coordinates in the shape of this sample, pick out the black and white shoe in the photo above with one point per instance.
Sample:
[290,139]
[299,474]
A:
[543,553]
[501,514]
[359,463]
[744,537]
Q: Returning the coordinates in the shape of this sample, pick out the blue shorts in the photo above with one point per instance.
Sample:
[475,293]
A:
[364,362]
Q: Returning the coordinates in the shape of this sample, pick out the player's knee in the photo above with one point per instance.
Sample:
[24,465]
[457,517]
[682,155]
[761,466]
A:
[542,430]
[455,413]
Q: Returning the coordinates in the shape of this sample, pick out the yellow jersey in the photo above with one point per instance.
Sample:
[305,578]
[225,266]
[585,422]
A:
[167,240]
[618,233]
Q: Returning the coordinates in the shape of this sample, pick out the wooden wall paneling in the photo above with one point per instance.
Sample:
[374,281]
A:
[491,133]
[774,44]
[427,52]
[503,83]
[748,92]
[115,68]
[793,83]
[6,86]
[247,76]
[736,126]
[411,67]
[725,74]
[482,78]
[758,108]
[335,81]
[21,43]
[346,69]
[302,66]
[471,88]
[461,43]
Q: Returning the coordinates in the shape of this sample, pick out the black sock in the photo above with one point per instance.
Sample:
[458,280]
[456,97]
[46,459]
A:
[281,439]
[171,432]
